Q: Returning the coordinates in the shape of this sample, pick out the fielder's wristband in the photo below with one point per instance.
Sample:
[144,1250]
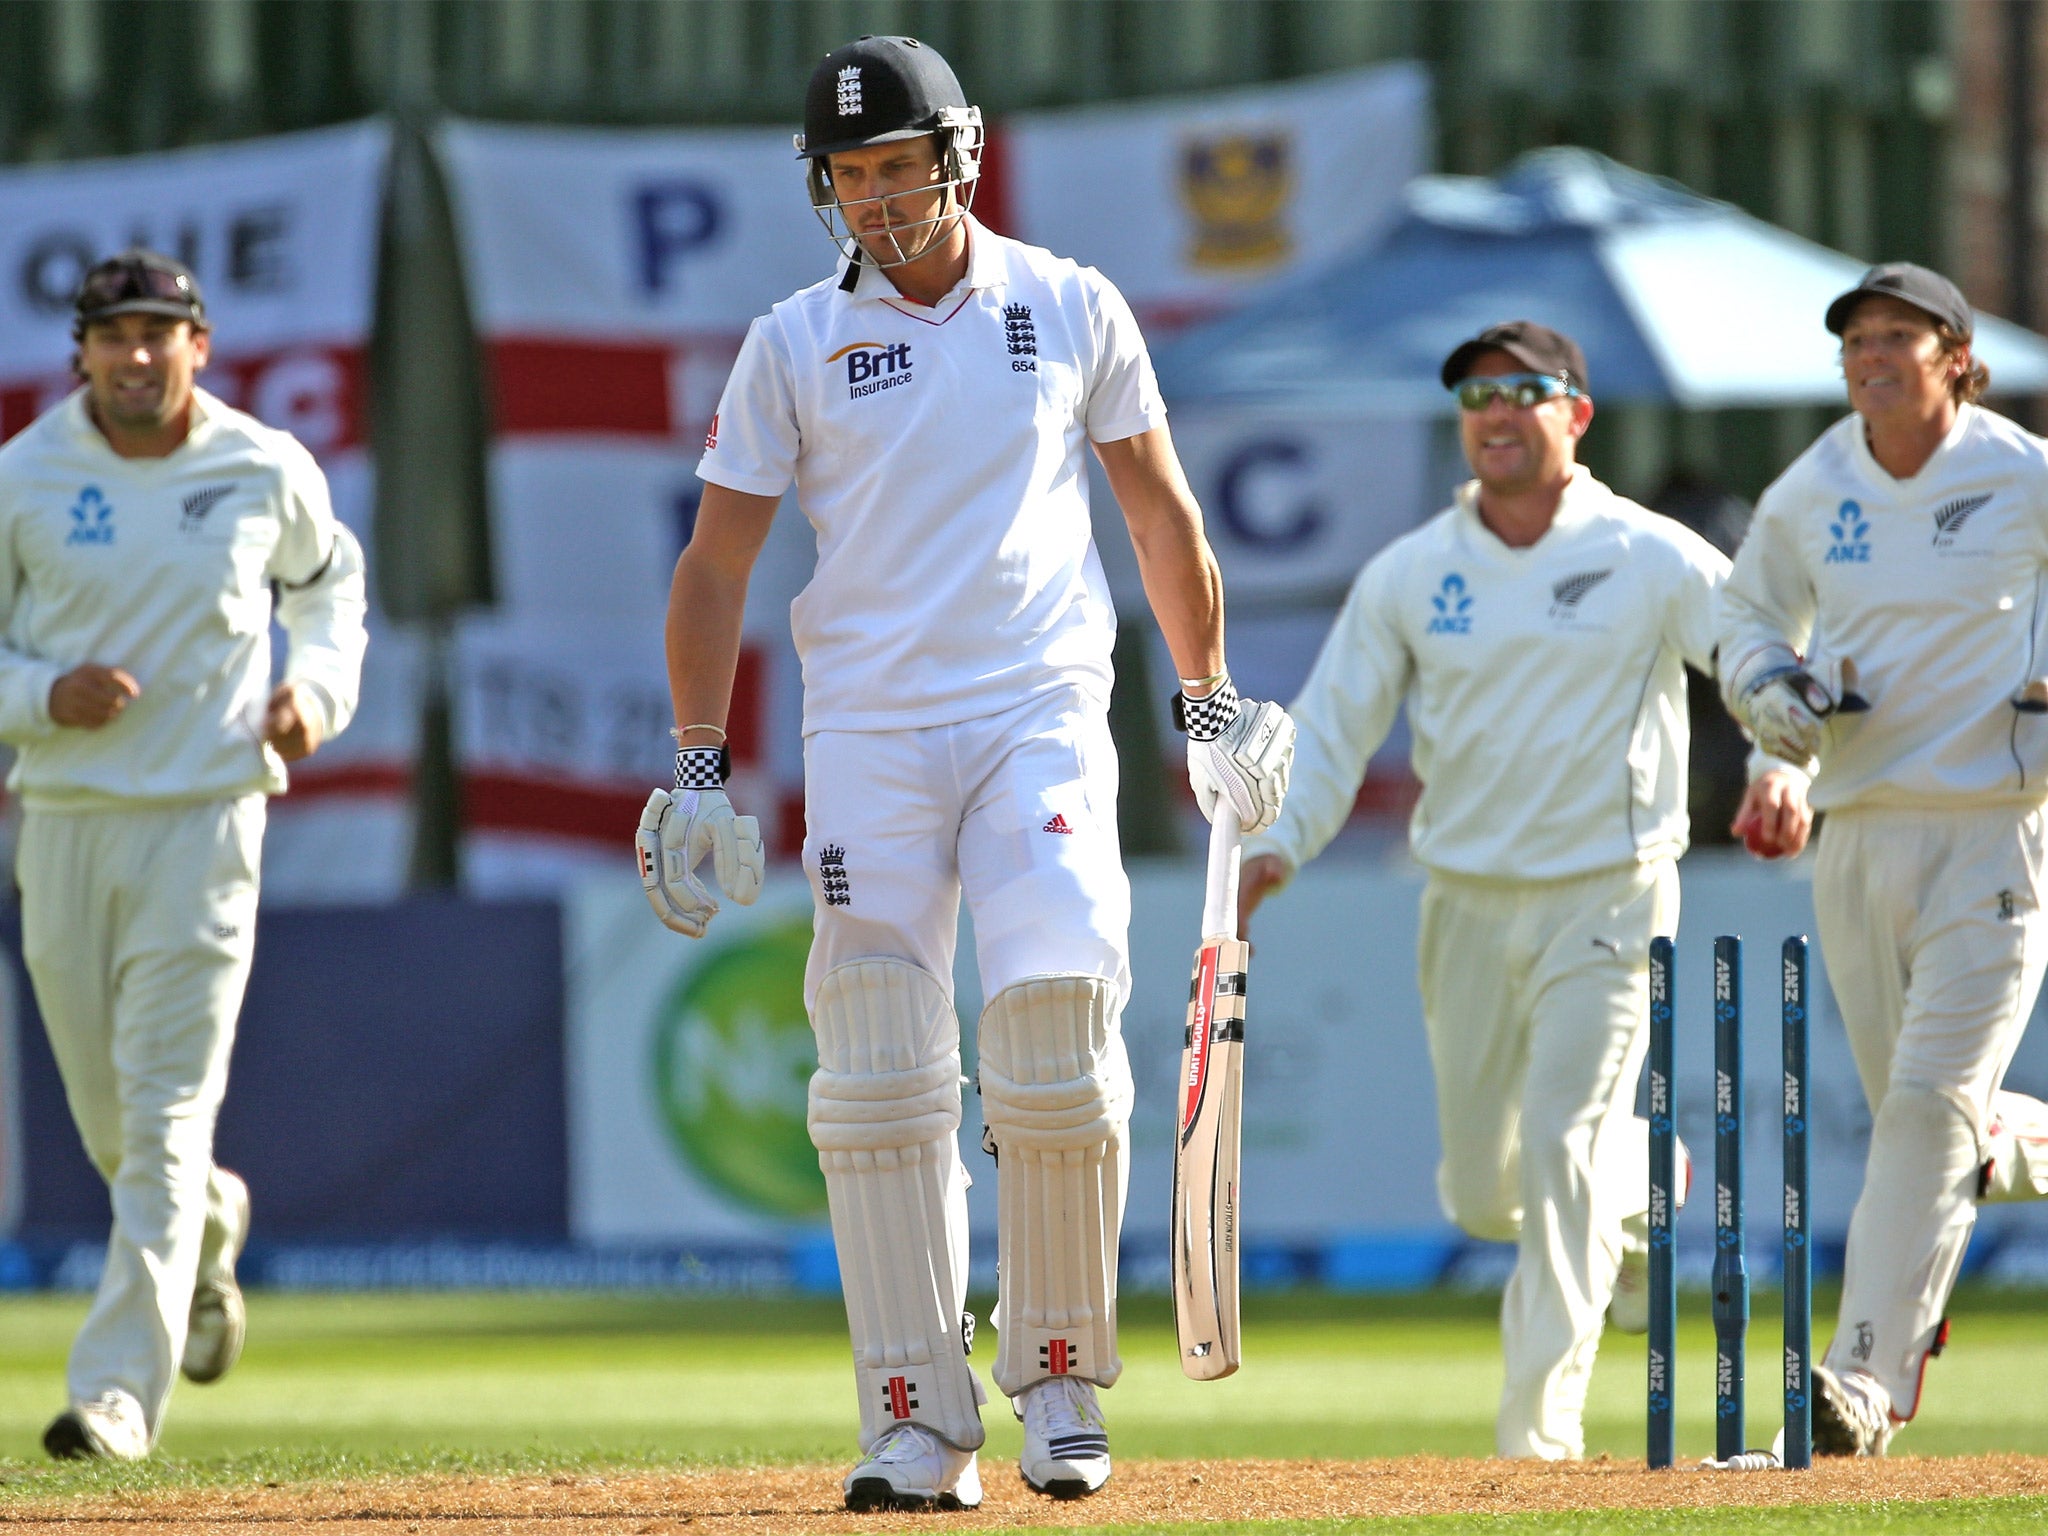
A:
[1205,719]
[702,767]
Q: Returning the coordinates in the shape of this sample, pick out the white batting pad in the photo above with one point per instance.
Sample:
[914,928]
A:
[1906,1239]
[1056,1096]
[885,1107]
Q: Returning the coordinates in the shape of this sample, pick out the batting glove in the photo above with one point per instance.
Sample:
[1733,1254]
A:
[676,831]
[1239,753]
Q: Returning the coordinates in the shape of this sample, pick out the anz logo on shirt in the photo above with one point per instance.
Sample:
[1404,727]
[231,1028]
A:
[92,518]
[1453,605]
[872,366]
[1851,532]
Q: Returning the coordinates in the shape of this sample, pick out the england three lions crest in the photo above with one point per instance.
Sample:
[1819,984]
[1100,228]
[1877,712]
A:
[1238,187]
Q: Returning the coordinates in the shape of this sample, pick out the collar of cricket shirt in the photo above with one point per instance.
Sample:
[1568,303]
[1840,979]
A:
[985,269]
[85,431]
[1581,498]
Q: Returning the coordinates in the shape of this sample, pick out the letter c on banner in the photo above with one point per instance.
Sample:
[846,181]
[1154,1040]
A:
[670,220]
[1238,483]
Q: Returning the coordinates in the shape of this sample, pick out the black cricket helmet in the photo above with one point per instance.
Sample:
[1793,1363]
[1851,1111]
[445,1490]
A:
[880,90]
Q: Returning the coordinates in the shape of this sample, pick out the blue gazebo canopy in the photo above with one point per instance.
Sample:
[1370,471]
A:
[1674,297]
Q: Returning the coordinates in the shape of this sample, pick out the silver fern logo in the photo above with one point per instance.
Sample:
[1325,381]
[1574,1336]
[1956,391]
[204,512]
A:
[1950,516]
[195,507]
[1566,595]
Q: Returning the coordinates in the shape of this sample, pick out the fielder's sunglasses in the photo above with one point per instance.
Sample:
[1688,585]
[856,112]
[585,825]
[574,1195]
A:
[118,282]
[1521,390]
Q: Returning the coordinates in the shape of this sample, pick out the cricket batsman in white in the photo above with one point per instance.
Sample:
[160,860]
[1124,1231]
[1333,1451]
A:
[1537,630]
[1885,620]
[143,526]
[932,401]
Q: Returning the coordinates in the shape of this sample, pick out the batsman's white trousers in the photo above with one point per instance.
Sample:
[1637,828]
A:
[1016,809]
[1535,994]
[138,927]
[1932,931]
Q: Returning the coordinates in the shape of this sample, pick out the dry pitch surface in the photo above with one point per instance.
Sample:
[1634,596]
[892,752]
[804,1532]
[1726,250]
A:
[777,1501]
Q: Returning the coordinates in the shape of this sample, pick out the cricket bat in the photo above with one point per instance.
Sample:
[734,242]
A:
[1205,1196]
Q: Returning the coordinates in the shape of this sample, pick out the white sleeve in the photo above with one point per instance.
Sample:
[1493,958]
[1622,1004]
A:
[753,442]
[1769,597]
[2040,447]
[1692,625]
[1342,715]
[321,592]
[1122,398]
[25,681]
[1692,605]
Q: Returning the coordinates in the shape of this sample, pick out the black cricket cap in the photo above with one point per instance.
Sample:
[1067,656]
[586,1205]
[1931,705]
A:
[1536,347]
[1917,286]
[876,90]
[138,282]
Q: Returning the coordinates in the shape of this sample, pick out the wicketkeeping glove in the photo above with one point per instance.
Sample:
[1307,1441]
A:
[1239,752]
[676,831]
[1783,704]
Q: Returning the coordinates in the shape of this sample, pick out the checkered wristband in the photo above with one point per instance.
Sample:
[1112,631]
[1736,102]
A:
[702,767]
[1205,719]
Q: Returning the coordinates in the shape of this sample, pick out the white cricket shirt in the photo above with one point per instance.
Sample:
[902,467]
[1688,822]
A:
[163,566]
[1933,588]
[938,454]
[1545,689]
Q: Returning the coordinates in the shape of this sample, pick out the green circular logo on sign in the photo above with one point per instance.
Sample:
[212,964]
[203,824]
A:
[733,1057]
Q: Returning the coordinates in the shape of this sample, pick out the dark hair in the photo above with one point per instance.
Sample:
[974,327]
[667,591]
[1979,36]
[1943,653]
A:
[1968,386]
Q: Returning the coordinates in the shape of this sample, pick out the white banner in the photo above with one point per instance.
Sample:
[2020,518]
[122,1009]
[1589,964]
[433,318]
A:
[613,275]
[1294,502]
[631,231]
[688,1065]
[282,234]
[1188,202]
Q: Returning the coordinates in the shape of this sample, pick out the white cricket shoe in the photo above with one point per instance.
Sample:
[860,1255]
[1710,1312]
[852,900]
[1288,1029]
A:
[218,1323]
[1066,1446]
[1852,1414]
[910,1468]
[1628,1310]
[109,1428]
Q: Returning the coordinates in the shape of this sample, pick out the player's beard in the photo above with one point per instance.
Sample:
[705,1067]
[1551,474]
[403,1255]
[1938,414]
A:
[900,242]
[147,409]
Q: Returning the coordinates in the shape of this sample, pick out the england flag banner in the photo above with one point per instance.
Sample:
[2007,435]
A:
[613,274]
[282,235]
[612,277]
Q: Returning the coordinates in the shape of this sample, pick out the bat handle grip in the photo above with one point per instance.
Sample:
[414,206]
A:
[1219,900]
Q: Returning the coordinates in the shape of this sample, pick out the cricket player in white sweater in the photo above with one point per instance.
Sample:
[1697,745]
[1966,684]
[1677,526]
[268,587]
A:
[932,402]
[1537,630]
[142,526]
[1885,617]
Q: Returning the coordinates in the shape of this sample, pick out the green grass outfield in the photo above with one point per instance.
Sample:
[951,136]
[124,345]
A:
[362,1384]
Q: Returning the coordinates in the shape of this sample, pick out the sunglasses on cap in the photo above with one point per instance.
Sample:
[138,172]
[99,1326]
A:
[119,282]
[1521,390]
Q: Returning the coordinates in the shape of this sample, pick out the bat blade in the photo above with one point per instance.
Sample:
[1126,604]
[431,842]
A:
[1205,1165]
